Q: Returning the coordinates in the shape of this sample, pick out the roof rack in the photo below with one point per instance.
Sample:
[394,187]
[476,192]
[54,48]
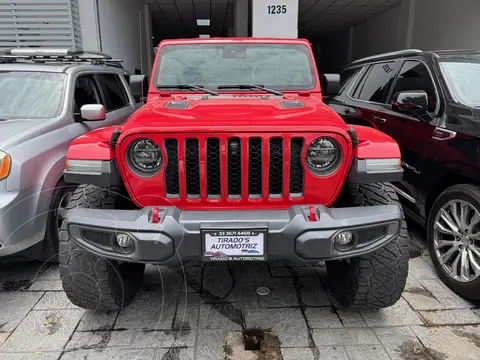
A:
[407,52]
[58,55]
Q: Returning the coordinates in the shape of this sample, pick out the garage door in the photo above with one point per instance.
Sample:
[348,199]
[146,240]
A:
[46,23]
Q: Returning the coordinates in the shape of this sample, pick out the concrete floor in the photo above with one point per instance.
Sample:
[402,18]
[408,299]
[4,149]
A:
[202,318]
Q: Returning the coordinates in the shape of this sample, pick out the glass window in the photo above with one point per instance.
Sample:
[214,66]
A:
[114,91]
[413,76]
[30,95]
[86,92]
[375,86]
[277,66]
[347,77]
[462,77]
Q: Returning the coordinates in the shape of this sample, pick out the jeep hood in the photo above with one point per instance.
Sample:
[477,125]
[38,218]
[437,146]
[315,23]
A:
[234,114]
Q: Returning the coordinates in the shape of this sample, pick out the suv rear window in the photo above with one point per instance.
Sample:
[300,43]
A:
[374,88]
[347,77]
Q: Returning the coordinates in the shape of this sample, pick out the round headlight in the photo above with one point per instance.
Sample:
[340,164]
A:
[323,156]
[145,156]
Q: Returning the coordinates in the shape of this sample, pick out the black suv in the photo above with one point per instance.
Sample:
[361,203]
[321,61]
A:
[429,102]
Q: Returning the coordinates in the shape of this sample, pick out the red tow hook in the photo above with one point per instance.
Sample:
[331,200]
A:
[313,213]
[153,216]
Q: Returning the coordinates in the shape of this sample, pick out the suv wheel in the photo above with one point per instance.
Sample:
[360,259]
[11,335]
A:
[453,233]
[89,281]
[377,279]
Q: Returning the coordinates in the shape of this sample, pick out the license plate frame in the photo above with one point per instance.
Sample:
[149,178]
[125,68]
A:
[231,233]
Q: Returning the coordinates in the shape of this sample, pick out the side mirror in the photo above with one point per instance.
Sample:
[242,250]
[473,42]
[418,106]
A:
[330,84]
[415,102]
[93,112]
[139,87]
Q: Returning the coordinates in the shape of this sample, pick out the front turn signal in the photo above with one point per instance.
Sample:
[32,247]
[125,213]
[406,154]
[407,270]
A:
[5,163]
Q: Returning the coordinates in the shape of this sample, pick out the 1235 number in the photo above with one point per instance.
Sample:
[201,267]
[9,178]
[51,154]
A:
[276,9]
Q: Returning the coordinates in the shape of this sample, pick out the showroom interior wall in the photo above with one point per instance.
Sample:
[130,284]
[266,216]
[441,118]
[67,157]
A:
[445,24]
[119,28]
[423,24]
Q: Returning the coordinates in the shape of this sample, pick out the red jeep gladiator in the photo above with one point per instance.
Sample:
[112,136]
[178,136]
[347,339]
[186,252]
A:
[235,157]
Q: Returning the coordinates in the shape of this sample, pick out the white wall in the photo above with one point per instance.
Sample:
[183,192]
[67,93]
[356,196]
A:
[122,32]
[378,34]
[446,24]
[89,24]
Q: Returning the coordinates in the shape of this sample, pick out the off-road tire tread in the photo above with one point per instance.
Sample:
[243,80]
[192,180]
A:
[90,281]
[374,280]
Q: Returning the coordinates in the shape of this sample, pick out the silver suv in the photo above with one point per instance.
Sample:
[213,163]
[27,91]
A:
[48,97]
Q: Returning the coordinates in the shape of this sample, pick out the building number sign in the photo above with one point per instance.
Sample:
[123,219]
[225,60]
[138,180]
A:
[276,9]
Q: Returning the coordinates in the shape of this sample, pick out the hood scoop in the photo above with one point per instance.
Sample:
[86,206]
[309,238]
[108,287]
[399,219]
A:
[177,104]
[292,104]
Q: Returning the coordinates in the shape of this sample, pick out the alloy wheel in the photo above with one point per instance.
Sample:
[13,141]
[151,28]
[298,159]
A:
[456,239]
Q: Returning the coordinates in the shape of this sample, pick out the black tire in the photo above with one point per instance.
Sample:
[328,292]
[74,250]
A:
[60,194]
[471,194]
[377,279]
[90,281]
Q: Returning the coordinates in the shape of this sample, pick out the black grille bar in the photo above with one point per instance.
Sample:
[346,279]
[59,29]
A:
[296,169]
[192,168]
[255,167]
[172,184]
[213,168]
[234,167]
[275,171]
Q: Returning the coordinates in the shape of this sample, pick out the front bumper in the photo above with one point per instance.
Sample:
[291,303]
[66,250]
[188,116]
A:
[292,234]
[22,225]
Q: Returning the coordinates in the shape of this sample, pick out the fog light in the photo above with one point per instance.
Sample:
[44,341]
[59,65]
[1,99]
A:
[344,238]
[124,240]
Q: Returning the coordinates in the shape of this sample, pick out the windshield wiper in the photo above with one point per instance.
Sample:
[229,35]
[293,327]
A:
[189,86]
[250,86]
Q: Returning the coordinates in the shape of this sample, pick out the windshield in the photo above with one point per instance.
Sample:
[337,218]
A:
[276,66]
[463,77]
[30,95]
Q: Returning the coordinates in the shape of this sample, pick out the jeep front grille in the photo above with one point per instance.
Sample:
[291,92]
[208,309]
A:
[234,167]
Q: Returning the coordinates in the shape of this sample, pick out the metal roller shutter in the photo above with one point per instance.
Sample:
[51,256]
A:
[35,23]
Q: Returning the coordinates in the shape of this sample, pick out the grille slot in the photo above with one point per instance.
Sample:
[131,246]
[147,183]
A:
[234,167]
[255,168]
[192,168]
[275,171]
[296,169]
[371,234]
[172,184]
[98,237]
[213,168]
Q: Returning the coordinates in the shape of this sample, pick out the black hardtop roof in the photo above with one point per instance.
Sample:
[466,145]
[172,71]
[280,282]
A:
[409,53]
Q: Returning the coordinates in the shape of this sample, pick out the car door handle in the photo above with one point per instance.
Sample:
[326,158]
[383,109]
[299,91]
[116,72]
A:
[379,120]
[443,134]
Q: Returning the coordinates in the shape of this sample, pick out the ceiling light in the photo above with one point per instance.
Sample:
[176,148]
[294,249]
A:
[203,22]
